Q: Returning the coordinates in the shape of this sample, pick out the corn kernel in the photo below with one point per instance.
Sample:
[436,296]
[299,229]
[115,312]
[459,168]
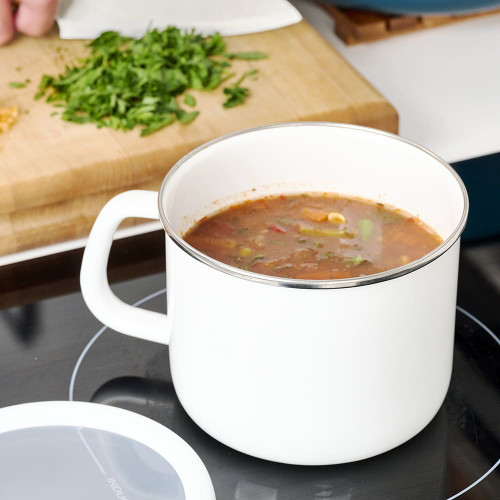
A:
[336,218]
[245,251]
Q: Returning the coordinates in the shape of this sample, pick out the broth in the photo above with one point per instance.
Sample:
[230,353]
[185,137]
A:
[312,236]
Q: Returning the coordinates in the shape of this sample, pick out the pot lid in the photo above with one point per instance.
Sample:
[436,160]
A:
[63,449]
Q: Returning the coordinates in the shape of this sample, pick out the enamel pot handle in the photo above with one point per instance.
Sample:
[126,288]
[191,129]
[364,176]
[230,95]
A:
[103,303]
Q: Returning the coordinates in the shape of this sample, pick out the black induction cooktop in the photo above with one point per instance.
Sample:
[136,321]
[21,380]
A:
[51,347]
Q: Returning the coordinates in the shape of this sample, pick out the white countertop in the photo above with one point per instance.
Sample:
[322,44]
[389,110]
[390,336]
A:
[444,81]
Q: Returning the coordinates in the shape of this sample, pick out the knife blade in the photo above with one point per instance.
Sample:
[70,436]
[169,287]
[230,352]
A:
[87,19]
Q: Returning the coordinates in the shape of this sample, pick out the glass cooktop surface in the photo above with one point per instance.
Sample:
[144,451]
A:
[51,347]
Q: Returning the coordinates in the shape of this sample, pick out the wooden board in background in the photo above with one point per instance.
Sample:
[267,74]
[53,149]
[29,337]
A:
[45,161]
[61,221]
[359,26]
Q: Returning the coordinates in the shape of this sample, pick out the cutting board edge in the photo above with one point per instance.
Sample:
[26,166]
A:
[42,226]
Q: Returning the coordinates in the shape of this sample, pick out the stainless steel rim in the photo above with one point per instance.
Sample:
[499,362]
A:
[298,283]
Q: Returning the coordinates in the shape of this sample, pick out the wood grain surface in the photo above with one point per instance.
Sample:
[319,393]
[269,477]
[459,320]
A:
[55,176]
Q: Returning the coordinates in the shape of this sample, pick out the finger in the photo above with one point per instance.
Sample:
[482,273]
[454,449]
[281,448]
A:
[6,21]
[35,17]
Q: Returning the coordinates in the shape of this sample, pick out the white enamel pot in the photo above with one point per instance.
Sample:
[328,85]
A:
[296,371]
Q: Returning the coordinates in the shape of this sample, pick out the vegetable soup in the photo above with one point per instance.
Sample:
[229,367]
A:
[312,236]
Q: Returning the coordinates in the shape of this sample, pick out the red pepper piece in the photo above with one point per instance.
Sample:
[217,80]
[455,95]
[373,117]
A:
[276,228]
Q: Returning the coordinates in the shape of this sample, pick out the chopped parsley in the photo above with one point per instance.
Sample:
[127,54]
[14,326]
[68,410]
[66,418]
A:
[328,255]
[249,56]
[125,83]
[255,259]
[236,94]
[356,260]
[189,100]
[17,85]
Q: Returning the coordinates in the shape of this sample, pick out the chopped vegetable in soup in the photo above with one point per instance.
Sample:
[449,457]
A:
[312,236]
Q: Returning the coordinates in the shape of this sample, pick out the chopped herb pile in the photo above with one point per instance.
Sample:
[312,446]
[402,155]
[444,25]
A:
[126,82]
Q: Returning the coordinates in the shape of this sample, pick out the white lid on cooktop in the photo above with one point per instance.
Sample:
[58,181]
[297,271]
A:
[66,449]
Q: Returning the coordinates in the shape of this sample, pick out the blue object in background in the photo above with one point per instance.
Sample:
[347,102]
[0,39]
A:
[481,177]
[419,7]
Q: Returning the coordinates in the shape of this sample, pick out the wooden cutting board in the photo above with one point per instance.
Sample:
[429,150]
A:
[55,176]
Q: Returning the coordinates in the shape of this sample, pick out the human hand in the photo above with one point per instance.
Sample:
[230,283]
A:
[33,17]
